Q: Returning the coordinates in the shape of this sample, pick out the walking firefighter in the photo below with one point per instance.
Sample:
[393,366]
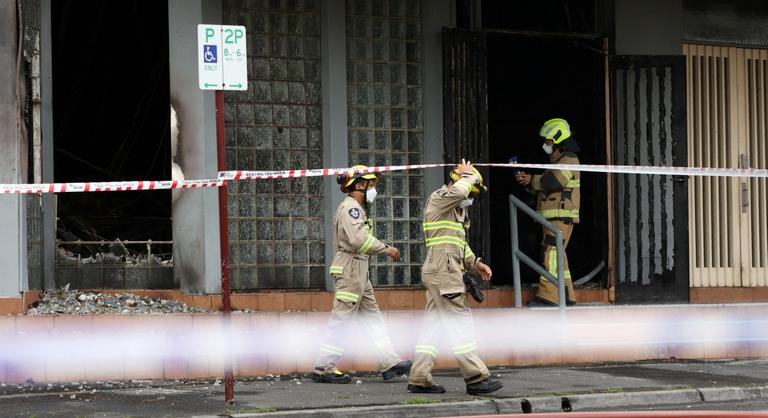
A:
[354,298]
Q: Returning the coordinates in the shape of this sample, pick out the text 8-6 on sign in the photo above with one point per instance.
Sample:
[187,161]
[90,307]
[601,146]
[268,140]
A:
[222,57]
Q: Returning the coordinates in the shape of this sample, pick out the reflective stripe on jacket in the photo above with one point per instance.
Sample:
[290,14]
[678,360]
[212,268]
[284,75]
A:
[354,236]
[448,253]
[559,191]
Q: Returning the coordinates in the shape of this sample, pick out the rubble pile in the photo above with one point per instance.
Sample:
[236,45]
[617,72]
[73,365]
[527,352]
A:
[73,302]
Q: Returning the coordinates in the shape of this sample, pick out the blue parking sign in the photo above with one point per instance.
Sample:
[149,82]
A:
[209,55]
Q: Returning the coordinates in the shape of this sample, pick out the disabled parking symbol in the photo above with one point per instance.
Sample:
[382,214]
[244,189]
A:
[210,56]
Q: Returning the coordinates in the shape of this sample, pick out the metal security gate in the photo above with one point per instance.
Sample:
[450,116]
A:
[465,115]
[651,210]
[727,99]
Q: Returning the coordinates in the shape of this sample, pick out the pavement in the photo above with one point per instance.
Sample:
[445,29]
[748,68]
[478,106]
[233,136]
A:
[526,390]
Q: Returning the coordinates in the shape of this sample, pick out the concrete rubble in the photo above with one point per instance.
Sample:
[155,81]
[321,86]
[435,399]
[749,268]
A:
[74,302]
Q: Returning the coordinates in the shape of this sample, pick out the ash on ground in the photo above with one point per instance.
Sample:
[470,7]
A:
[74,302]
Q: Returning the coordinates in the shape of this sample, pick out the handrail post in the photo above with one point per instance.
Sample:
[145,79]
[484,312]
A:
[517,255]
[515,260]
[560,270]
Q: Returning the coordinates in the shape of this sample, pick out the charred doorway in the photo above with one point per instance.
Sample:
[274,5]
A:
[111,122]
[533,78]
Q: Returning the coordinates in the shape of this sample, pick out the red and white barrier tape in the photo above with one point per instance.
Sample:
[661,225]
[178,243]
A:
[617,169]
[110,186]
[284,174]
[224,176]
[632,169]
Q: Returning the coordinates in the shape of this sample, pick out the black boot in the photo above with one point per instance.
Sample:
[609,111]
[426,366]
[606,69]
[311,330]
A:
[540,303]
[404,367]
[335,377]
[426,389]
[483,387]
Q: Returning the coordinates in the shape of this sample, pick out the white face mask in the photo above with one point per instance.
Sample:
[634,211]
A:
[370,195]
[549,149]
[466,203]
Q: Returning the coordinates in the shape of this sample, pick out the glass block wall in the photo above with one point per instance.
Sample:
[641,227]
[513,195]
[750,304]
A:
[276,226]
[384,88]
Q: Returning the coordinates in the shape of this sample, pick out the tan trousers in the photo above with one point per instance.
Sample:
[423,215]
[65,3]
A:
[341,323]
[450,319]
[547,290]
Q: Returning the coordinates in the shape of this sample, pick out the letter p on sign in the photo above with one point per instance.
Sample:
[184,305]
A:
[209,34]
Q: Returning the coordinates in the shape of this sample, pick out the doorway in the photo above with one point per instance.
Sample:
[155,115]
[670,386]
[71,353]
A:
[111,100]
[727,91]
[530,80]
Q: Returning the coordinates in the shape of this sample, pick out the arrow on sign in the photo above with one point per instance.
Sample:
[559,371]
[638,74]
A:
[238,85]
[210,85]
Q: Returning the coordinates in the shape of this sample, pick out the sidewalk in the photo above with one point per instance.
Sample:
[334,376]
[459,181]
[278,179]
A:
[526,389]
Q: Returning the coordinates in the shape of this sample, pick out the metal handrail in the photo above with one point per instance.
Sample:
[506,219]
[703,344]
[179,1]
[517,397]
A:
[517,255]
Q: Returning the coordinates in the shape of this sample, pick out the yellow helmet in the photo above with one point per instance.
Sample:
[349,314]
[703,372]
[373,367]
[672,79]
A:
[555,129]
[477,187]
[346,180]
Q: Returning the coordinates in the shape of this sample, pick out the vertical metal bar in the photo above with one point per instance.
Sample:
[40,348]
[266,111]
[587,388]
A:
[609,177]
[560,274]
[515,260]
[229,381]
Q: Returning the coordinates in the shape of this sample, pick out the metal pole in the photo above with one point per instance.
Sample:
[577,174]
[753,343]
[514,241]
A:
[560,274]
[515,260]
[229,380]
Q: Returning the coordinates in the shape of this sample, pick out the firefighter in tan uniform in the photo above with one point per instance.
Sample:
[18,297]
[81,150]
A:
[447,312]
[355,243]
[558,198]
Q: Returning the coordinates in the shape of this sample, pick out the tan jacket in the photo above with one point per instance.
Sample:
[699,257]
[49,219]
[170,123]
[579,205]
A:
[558,191]
[448,253]
[354,237]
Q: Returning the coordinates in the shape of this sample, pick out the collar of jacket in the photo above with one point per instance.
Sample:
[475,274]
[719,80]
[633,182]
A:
[557,155]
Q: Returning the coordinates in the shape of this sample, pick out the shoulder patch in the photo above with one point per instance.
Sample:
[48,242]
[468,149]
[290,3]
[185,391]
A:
[355,213]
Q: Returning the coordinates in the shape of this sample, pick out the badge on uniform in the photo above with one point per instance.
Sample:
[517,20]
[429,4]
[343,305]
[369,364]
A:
[355,213]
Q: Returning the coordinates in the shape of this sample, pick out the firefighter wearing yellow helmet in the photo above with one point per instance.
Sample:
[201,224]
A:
[447,312]
[354,295]
[558,199]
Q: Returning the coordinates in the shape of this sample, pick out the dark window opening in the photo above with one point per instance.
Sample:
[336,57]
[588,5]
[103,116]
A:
[572,16]
[111,105]
[531,80]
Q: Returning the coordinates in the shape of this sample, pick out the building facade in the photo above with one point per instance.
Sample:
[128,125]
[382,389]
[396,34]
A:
[333,83]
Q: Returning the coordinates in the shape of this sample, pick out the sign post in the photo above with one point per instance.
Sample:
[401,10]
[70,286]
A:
[223,65]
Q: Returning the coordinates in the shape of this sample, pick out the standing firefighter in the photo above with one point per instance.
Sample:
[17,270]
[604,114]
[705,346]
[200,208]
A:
[355,243]
[558,199]
[447,312]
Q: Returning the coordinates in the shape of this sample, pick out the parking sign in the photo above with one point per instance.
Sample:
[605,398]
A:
[222,57]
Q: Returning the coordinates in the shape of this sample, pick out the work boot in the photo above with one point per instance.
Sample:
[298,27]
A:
[404,367]
[335,377]
[426,389]
[483,387]
[540,303]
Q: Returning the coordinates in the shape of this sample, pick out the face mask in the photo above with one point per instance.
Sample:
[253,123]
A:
[370,195]
[466,203]
[549,149]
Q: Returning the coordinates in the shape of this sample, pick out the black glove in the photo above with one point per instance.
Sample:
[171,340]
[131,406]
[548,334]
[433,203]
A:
[473,288]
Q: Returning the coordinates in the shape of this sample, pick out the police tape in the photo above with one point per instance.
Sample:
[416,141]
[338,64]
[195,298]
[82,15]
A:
[224,176]
[285,174]
[109,186]
[612,169]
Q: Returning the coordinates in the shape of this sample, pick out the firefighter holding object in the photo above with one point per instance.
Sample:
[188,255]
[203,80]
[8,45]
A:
[447,312]
[355,243]
[558,196]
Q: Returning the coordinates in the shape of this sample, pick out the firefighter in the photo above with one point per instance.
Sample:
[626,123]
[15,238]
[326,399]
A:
[447,312]
[355,243]
[558,201]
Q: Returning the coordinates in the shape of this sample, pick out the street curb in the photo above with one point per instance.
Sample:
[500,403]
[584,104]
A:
[571,403]
[390,411]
